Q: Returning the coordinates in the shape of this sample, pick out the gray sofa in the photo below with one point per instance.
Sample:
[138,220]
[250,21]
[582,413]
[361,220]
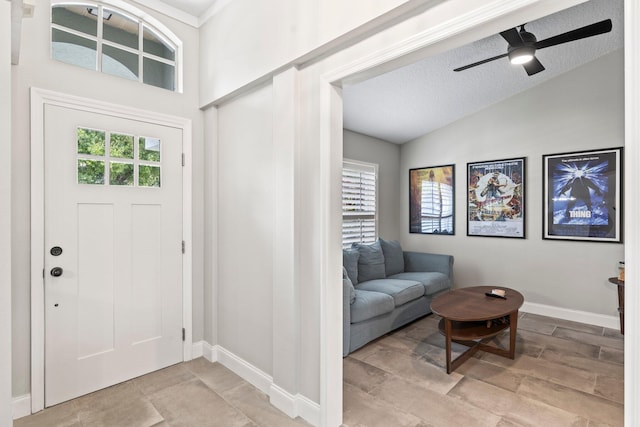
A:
[385,287]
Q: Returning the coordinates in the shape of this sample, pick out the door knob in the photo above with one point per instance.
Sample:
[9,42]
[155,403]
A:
[56,271]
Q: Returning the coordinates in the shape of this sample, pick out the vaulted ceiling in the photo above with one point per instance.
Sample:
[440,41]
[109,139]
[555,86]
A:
[414,100]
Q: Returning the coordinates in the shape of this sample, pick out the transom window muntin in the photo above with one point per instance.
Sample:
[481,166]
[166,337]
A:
[107,39]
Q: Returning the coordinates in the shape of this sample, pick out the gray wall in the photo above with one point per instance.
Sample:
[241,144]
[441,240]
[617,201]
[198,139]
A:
[246,221]
[36,69]
[387,156]
[580,110]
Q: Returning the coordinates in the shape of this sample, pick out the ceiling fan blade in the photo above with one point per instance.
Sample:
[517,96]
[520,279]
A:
[533,67]
[512,36]
[484,61]
[577,34]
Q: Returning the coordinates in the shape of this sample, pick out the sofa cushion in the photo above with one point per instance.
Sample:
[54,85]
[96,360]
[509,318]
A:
[402,291]
[350,262]
[370,261]
[393,257]
[433,282]
[370,304]
[347,281]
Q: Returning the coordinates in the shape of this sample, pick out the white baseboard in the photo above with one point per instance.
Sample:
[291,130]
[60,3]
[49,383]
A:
[603,320]
[292,405]
[21,406]
[197,349]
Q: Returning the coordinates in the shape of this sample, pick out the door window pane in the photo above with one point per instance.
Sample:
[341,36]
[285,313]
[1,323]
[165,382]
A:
[90,171]
[72,49]
[121,173]
[158,74]
[149,176]
[121,146]
[149,149]
[90,142]
[120,29]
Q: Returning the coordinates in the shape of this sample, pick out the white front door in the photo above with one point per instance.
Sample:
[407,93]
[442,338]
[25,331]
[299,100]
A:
[113,250]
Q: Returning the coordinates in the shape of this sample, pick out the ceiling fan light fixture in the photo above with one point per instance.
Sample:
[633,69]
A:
[521,55]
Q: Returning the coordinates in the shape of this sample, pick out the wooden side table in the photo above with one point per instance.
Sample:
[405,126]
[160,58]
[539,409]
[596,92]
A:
[620,284]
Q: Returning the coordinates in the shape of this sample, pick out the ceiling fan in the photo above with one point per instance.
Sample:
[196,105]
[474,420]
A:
[523,45]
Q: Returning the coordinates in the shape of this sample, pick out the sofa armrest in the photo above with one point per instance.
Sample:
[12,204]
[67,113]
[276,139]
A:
[420,261]
[346,316]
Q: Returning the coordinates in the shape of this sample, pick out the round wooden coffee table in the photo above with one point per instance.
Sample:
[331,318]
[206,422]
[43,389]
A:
[471,318]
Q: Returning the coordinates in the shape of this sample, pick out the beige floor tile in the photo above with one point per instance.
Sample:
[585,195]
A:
[405,343]
[611,388]
[192,403]
[163,378]
[434,408]
[588,364]
[363,410]
[62,415]
[569,376]
[529,323]
[524,345]
[590,406]
[255,405]
[584,337]
[612,355]
[558,344]
[414,369]
[91,405]
[362,375]
[135,413]
[491,374]
[568,324]
[216,376]
[514,408]
[613,333]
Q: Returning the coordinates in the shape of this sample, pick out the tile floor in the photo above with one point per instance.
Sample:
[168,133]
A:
[564,374]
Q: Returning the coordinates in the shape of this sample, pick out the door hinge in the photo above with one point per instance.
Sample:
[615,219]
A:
[182,159]
[183,246]
[184,333]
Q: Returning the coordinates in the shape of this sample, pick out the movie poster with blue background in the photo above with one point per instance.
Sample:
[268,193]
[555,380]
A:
[582,195]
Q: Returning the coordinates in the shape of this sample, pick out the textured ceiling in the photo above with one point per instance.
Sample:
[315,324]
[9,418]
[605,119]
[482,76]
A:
[414,100]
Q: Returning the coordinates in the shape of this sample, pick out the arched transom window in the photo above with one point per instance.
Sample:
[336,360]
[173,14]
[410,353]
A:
[115,41]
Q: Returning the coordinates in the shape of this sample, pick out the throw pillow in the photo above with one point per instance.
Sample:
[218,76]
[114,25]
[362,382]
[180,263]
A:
[393,257]
[352,290]
[371,261]
[350,262]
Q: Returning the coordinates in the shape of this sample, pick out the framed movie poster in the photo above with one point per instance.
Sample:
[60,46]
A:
[496,198]
[431,200]
[582,195]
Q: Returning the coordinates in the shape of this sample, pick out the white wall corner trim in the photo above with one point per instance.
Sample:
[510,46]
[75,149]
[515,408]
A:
[612,322]
[292,405]
[40,98]
[21,406]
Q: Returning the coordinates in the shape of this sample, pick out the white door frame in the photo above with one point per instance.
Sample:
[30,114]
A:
[40,98]
[331,162]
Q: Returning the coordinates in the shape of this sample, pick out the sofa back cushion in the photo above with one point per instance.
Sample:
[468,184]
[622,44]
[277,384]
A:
[393,257]
[370,261]
[350,263]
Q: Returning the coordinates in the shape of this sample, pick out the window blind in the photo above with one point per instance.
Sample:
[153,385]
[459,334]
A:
[359,203]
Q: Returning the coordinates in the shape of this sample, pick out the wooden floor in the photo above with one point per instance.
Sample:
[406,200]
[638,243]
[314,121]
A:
[564,374]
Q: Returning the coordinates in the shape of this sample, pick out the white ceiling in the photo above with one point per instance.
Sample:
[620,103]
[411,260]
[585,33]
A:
[417,99]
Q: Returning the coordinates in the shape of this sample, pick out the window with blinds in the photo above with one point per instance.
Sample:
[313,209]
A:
[359,202]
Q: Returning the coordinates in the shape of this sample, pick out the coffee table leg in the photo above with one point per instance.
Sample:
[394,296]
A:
[513,329]
[447,334]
